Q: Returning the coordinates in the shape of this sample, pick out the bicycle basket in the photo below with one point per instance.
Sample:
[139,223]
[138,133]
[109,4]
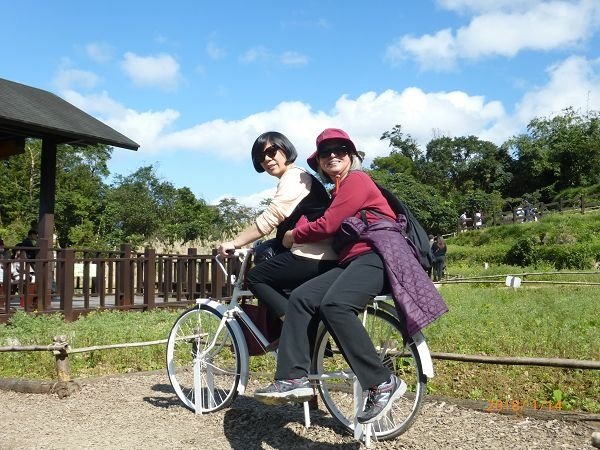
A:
[267,323]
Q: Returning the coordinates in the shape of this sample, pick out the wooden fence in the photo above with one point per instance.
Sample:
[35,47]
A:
[520,214]
[75,281]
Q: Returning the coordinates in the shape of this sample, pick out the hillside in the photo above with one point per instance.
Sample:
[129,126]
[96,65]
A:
[557,241]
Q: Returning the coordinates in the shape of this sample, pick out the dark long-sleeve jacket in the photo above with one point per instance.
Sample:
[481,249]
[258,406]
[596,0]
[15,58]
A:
[415,296]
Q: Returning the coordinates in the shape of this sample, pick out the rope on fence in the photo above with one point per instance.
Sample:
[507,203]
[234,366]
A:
[577,283]
[490,279]
[521,361]
[107,347]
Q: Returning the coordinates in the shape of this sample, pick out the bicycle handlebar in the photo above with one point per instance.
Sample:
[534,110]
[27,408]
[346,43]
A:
[241,252]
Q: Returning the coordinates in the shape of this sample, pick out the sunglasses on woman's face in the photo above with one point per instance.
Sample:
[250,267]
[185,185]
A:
[270,151]
[339,151]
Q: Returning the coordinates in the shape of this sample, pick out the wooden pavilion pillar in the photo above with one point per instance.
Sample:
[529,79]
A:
[47,190]
[46,220]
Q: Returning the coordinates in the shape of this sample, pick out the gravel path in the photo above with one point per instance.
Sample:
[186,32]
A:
[141,412]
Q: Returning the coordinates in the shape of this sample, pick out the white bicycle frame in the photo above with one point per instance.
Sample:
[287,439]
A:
[232,313]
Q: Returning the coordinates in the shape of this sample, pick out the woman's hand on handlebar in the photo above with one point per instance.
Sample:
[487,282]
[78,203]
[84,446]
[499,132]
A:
[226,248]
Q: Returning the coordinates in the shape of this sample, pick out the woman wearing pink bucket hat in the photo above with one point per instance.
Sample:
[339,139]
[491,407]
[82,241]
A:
[337,296]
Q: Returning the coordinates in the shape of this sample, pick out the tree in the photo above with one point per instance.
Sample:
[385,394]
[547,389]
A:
[436,214]
[403,144]
[188,219]
[133,207]
[81,194]
[20,188]
[557,153]
[232,218]
[405,156]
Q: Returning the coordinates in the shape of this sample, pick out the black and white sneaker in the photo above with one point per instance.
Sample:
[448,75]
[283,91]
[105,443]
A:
[380,399]
[285,391]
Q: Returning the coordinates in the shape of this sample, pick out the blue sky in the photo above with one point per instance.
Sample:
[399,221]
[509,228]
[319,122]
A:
[195,82]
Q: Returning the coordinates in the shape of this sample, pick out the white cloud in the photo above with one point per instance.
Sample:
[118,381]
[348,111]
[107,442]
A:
[574,82]
[291,58]
[262,54]
[255,54]
[487,5]
[502,28]
[99,52]
[214,51]
[252,200]
[436,51]
[145,128]
[67,78]
[161,70]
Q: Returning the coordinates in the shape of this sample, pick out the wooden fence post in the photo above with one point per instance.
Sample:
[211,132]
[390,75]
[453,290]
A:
[62,363]
[216,278]
[582,201]
[192,272]
[149,278]
[66,287]
[125,281]
[42,275]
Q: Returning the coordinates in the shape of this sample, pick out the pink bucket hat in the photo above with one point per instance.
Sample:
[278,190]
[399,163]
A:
[326,135]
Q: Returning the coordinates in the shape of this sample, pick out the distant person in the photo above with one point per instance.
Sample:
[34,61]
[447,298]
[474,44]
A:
[2,256]
[30,242]
[439,258]
[478,222]
[463,221]
[527,211]
[431,240]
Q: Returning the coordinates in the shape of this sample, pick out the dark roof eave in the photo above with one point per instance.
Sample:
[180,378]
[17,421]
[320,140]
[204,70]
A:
[10,128]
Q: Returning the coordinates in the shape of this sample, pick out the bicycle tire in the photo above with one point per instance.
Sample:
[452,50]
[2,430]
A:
[194,345]
[336,380]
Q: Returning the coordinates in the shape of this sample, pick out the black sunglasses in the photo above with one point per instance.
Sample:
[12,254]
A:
[270,151]
[338,150]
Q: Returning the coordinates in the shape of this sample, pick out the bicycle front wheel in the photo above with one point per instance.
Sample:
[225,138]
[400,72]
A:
[337,381]
[203,360]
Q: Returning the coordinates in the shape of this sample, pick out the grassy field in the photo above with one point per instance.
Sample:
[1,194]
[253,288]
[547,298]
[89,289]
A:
[535,321]
[546,321]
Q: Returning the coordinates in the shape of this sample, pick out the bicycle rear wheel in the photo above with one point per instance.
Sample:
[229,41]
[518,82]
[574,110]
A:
[203,360]
[336,380]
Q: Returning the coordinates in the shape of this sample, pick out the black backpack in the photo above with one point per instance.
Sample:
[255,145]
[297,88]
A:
[415,232]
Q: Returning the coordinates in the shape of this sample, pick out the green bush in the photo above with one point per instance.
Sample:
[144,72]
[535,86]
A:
[525,252]
[577,256]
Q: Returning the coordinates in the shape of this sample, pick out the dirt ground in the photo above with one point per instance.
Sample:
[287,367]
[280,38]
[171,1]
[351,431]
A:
[141,411]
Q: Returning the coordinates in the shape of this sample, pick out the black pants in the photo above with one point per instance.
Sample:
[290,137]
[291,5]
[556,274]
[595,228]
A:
[335,297]
[269,280]
[438,268]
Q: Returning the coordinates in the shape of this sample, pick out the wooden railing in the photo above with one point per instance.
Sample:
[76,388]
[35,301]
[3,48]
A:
[75,281]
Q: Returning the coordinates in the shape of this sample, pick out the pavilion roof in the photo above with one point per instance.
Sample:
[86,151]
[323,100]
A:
[26,111]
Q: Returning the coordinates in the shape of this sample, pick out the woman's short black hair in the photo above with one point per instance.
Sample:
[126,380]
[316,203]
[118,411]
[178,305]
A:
[274,138]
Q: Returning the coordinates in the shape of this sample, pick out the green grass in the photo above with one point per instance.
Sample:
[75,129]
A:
[97,328]
[535,321]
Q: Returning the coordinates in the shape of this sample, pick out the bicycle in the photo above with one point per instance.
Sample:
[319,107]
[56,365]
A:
[208,361]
